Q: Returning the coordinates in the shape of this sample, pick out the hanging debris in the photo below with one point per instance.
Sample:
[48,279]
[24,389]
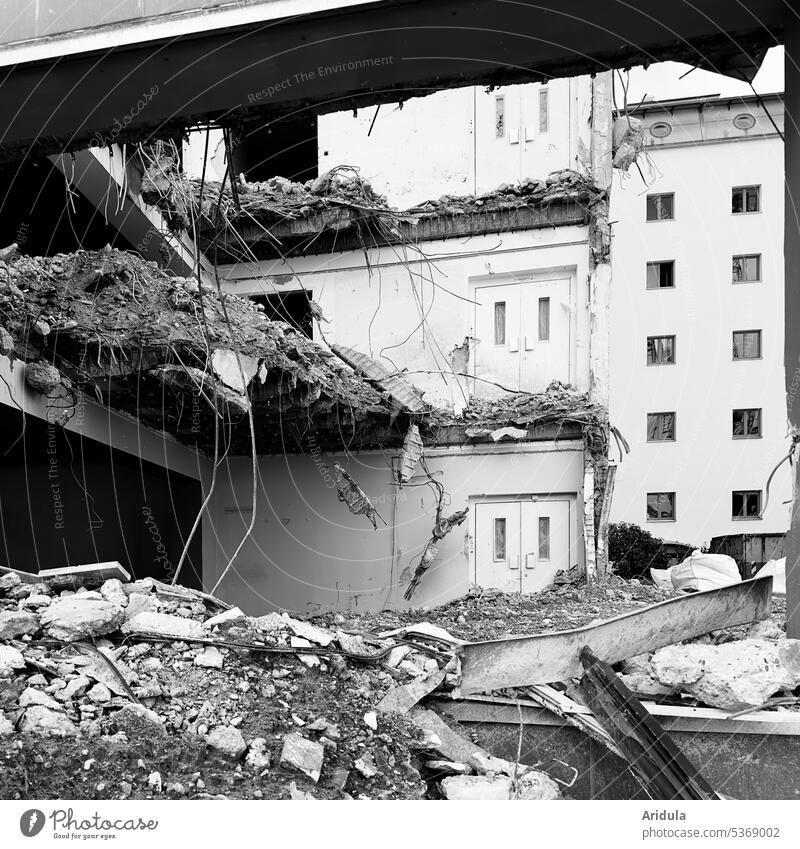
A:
[412,451]
[354,497]
[431,551]
[629,140]
[42,377]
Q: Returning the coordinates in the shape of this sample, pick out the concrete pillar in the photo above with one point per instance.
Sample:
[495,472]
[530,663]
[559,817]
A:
[792,308]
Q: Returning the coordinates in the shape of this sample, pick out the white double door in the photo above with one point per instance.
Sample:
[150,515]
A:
[523,333]
[520,545]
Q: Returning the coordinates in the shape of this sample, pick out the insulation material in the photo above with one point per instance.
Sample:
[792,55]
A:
[412,451]
[431,551]
[351,494]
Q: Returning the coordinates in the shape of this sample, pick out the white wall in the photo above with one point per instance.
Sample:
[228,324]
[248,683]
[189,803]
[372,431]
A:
[379,313]
[446,143]
[309,553]
[705,464]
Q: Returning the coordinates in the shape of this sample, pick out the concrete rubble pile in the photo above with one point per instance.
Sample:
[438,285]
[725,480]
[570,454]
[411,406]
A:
[143,689]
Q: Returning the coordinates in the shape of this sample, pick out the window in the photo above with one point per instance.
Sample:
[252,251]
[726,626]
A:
[499,116]
[500,323]
[747,423]
[660,506]
[660,207]
[292,307]
[544,319]
[747,268]
[661,275]
[747,344]
[544,537]
[746,504]
[500,539]
[745,199]
[544,110]
[661,427]
[660,350]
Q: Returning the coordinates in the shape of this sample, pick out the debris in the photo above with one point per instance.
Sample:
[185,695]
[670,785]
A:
[228,741]
[351,494]
[303,754]
[77,617]
[521,661]
[366,765]
[31,696]
[653,758]
[6,727]
[401,699]
[514,433]
[309,632]
[139,722]
[42,377]
[703,571]
[154,781]
[234,370]
[423,629]
[210,657]
[45,722]
[91,575]
[412,451]
[639,676]
[371,719]
[227,617]
[535,786]
[163,625]
[401,390]
[777,570]
[476,787]
[258,757]
[112,591]
[628,141]
[431,551]
[299,795]
[15,623]
[10,659]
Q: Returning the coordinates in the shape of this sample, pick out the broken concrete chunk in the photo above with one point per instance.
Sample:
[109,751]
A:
[139,723]
[31,696]
[366,765]
[15,623]
[99,694]
[163,625]
[679,665]
[76,618]
[235,371]
[402,699]
[228,741]
[412,451]
[303,754]
[351,494]
[638,675]
[476,787]
[257,755]
[47,723]
[9,581]
[139,602]
[90,575]
[514,433]
[112,591]
[309,632]
[210,657]
[396,655]
[535,785]
[10,660]
[6,727]
[227,617]
[42,377]
[270,623]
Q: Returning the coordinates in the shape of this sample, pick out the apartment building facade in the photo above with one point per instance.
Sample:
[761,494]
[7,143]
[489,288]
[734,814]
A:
[697,322]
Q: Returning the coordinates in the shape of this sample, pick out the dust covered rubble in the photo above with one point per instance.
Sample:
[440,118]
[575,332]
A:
[129,669]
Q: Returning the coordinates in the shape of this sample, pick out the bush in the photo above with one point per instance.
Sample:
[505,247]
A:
[634,551]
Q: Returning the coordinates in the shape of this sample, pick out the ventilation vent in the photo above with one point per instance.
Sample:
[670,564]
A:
[744,121]
[660,130]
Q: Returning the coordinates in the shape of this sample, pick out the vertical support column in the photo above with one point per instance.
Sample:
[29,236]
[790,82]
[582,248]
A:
[791,250]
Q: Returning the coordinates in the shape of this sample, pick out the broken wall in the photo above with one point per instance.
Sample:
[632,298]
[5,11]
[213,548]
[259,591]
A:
[307,552]
[378,309]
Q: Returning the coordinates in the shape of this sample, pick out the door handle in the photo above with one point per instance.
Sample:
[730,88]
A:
[513,562]
[513,344]
[528,343]
[530,560]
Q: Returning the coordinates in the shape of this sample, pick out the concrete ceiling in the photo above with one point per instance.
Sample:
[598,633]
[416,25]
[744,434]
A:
[360,55]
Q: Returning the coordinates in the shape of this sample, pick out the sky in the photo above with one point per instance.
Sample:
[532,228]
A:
[662,81]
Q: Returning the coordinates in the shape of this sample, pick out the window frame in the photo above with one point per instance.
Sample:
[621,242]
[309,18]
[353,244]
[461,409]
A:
[658,195]
[757,279]
[658,262]
[495,525]
[544,100]
[499,116]
[546,303]
[745,410]
[504,342]
[744,189]
[674,437]
[760,346]
[745,492]
[674,359]
[674,516]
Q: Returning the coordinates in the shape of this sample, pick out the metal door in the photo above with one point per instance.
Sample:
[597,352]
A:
[545,539]
[545,341]
[497,325]
[497,545]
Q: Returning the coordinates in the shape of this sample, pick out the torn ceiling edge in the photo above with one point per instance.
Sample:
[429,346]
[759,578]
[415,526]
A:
[340,211]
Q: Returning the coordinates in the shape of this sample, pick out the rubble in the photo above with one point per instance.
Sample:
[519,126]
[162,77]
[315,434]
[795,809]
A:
[228,741]
[79,617]
[303,754]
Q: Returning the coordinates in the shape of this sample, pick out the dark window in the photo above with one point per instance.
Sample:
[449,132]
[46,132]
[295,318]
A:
[661,275]
[544,110]
[660,505]
[746,199]
[292,307]
[500,539]
[660,350]
[544,538]
[660,207]
[500,323]
[746,344]
[746,504]
[544,319]
[747,423]
[661,427]
[499,116]
[747,268]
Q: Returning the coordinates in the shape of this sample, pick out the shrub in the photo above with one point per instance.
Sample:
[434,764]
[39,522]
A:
[634,551]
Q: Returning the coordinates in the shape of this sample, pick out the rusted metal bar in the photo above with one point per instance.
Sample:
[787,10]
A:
[547,658]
